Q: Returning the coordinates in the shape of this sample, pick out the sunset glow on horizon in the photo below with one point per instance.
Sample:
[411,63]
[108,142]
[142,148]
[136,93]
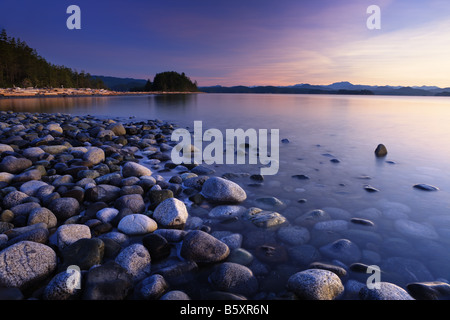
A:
[244,42]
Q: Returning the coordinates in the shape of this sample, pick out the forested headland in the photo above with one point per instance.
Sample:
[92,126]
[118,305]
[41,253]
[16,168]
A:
[22,66]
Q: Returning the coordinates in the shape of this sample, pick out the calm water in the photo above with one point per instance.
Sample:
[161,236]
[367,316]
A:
[415,131]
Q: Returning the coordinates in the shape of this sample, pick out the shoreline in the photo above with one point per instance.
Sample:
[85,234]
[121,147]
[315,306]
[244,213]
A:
[14,93]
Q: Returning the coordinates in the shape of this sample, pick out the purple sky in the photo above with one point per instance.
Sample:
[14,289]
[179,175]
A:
[245,42]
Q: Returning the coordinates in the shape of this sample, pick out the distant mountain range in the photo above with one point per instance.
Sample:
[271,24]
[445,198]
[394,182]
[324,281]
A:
[121,84]
[344,87]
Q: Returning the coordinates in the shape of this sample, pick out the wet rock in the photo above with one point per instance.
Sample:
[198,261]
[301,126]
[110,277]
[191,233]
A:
[226,211]
[264,219]
[339,271]
[363,222]
[25,264]
[218,189]
[201,247]
[425,187]
[315,284]
[381,150]
[387,291]
[171,213]
[234,278]
[433,290]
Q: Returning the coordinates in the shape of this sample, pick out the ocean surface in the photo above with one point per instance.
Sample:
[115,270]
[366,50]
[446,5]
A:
[410,234]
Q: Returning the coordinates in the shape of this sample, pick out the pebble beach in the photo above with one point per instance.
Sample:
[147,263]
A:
[94,209]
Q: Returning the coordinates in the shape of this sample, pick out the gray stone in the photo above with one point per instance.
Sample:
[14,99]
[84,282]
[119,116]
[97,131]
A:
[14,198]
[175,295]
[153,287]
[65,285]
[94,156]
[137,224]
[39,215]
[64,208]
[387,291]
[218,189]
[264,219]
[134,202]
[234,278]
[102,193]
[171,213]
[107,214]
[202,247]
[14,165]
[226,211]
[133,169]
[117,128]
[31,187]
[136,260]
[26,263]
[315,284]
[70,233]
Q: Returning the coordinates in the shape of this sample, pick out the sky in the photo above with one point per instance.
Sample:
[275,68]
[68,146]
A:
[243,42]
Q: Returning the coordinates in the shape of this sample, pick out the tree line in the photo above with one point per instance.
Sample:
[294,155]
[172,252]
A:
[169,81]
[22,66]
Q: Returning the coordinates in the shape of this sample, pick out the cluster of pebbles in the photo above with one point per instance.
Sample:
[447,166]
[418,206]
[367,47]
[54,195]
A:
[95,209]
